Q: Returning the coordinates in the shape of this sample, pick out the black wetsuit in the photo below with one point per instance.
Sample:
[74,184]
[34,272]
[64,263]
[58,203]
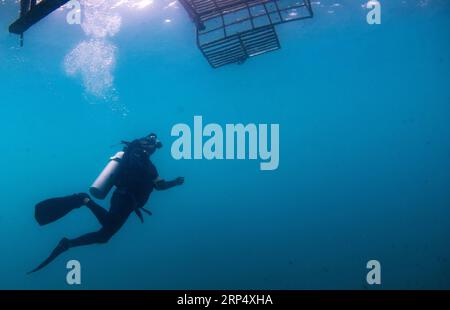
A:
[136,179]
[134,186]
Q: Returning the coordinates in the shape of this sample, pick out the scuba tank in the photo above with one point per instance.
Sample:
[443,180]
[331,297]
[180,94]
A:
[105,181]
[131,157]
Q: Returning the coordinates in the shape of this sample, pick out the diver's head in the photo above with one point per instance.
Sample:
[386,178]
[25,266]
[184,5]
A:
[150,143]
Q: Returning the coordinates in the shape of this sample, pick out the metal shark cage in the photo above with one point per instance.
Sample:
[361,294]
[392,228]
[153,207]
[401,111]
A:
[231,31]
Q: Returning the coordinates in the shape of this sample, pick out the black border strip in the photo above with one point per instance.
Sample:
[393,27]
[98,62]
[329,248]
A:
[68,298]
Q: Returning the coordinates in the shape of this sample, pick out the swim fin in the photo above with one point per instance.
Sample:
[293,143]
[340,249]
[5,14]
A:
[50,210]
[62,246]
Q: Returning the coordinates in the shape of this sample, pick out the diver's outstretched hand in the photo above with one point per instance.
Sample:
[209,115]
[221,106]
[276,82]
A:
[179,180]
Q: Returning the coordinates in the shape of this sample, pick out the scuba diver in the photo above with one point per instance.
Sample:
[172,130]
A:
[134,176]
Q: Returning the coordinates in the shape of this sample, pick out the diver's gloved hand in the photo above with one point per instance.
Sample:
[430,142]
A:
[162,184]
[179,180]
[84,198]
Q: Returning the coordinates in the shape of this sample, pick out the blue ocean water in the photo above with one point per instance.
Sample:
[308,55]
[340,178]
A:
[364,149]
